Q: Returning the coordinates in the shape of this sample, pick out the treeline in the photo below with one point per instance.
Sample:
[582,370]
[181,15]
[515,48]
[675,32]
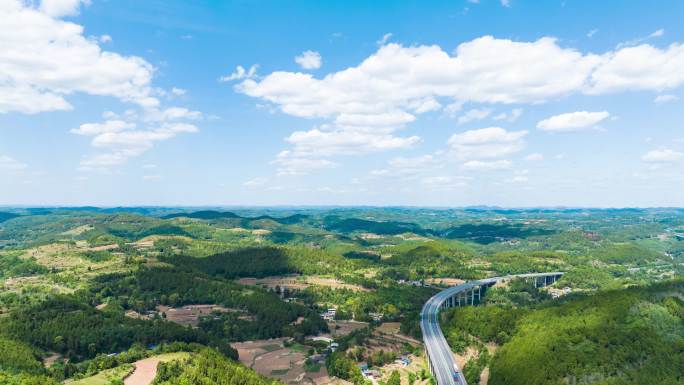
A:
[65,325]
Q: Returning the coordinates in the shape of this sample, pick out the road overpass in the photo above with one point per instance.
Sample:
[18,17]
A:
[439,356]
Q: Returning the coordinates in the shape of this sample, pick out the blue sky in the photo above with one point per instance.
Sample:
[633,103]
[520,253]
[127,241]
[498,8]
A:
[518,103]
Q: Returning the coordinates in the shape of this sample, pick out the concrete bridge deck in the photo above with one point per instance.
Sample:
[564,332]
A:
[439,356]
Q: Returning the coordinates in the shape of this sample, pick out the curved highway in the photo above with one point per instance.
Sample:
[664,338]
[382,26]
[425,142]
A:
[440,358]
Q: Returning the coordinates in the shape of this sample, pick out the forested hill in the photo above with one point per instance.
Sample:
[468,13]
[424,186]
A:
[211,215]
[626,337]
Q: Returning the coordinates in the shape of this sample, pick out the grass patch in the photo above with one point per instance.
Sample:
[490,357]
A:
[105,376]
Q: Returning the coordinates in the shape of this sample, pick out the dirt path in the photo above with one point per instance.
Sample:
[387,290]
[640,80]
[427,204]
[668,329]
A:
[144,373]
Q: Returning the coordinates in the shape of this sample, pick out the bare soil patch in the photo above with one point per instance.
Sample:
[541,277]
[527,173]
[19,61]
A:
[298,282]
[112,246]
[342,328]
[190,314]
[146,370]
[270,358]
[444,281]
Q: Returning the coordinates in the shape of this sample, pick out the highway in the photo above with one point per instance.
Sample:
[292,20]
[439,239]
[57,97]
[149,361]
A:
[440,358]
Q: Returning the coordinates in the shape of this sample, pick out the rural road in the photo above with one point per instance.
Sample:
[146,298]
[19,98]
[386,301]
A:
[440,358]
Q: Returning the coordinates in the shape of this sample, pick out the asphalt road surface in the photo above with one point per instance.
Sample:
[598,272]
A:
[444,367]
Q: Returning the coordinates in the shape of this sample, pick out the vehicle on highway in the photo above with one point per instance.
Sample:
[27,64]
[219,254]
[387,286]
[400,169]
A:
[457,376]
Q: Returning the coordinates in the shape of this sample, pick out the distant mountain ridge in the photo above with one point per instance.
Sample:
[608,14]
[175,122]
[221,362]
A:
[212,214]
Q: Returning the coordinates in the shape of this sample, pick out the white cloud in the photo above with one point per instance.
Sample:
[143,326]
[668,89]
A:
[105,39]
[506,3]
[485,70]
[10,164]
[240,73]
[318,142]
[445,182]
[151,177]
[591,33]
[658,33]
[255,182]
[643,67]
[518,179]
[178,91]
[291,164]
[662,156]
[367,104]
[385,38]
[572,121]
[474,114]
[60,8]
[665,99]
[124,139]
[491,142]
[477,165]
[43,59]
[171,113]
[101,128]
[309,60]
[535,157]
[409,166]
[509,117]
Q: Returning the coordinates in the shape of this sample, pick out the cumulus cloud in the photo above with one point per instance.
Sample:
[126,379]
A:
[122,138]
[572,121]
[491,142]
[60,8]
[240,73]
[643,67]
[178,91]
[389,89]
[102,128]
[43,59]
[662,156]
[322,142]
[309,60]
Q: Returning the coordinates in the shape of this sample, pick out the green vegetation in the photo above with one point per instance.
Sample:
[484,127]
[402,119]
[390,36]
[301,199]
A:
[11,265]
[76,330]
[633,336]
[207,367]
[94,286]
